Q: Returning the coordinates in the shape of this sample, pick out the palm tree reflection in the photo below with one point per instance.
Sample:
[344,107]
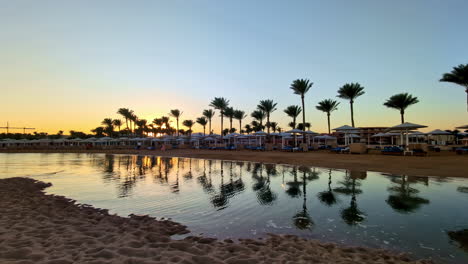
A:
[328,197]
[265,196]
[302,220]
[352,215]
[227,190]
[205,181]
[403,198]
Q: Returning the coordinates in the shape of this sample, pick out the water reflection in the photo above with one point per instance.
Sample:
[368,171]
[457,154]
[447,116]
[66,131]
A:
[245,199]
[403,197]
[228,189]
[328,197]
[352,215]
[302,219]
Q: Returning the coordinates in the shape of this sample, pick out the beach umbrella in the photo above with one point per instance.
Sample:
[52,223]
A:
[404,128]
[295,131]
[346,130]
[463,127]
[379,135]
[438,132]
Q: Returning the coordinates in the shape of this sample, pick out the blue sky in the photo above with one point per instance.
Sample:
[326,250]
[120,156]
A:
[79,61]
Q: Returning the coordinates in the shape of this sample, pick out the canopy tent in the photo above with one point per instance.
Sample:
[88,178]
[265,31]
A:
[347,130]
[437,136]
[405,128]
[438,132]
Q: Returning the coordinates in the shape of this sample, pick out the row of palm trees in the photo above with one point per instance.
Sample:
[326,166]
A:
[349,91]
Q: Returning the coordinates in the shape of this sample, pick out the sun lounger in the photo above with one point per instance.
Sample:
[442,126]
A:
[392,151]
[462,150]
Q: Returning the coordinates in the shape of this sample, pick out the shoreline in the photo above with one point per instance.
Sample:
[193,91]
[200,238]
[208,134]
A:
[436,165]
[42,228]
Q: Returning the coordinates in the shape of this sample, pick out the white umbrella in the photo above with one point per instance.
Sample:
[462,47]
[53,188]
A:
[438,132]
[405,127]
[346,130]
[295,131]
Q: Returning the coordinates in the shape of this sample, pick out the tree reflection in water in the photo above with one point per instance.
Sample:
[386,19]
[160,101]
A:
[403,198]
[205,181]
[352,215]
[220,200]
[261,185]
[328,197]
[302,219]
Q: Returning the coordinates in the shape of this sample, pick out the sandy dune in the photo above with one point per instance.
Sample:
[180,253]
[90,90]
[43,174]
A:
[40,228]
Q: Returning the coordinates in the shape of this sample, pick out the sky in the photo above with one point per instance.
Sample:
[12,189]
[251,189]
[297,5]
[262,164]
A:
[66,65]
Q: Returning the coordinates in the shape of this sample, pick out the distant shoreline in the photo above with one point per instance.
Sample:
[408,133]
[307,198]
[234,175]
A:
[444,164]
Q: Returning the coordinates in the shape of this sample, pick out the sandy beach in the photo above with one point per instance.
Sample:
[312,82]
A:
[40,228]
[442,164]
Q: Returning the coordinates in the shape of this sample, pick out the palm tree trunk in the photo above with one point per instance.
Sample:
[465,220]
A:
[328,118]
[466,99]
[240,126]
[268,123]
[303,119]
[352,113]
[402,113]
[209,126]
[230,125]
[177,119]
[221,125]
[204,130]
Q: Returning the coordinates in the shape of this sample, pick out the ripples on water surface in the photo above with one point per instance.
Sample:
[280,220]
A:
[231,199]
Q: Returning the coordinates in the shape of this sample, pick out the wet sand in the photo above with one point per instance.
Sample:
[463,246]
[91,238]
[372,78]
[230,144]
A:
[443,164]
[40,228]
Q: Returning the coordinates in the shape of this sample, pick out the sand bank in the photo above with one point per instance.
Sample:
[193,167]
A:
[444,164]
[40,228]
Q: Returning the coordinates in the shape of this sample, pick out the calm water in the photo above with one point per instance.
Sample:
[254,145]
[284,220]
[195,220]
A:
[229,199]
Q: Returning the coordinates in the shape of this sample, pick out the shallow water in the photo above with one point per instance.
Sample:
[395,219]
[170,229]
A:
[231,199]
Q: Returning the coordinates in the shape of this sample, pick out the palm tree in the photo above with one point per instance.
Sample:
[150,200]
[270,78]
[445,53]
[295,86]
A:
[401,102]
[459,75]
[229,113]
[268,107]
[327,106]
[258,115]
[221,104]
[117,123]
[109,126]
[301,87]
[203,122]
[125,113]
[165,120]
[142,127]
[133,118]
[209,114]
[239,115]
[351,91]
[293,111]
[248,129]
[98,131]
[274,126]
[176,113]
[189,124]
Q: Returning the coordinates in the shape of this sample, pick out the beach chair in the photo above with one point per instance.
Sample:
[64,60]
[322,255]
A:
[392,151]
[287,148]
